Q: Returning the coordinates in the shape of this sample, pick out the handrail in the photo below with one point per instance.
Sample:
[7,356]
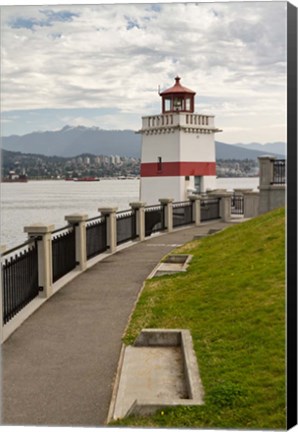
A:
[153,207]
[63,228]
[94,218]
[26,243]
[124,213]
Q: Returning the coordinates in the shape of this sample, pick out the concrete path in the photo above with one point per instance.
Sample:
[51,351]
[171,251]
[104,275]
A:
[58,368]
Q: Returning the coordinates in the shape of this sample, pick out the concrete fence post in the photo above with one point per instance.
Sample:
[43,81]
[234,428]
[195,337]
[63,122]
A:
[251,204]
[271,195]
[139,208]
[44,251]
[79,224]
[266,170]
[225,204]
[110,214]
[196,208]
[167,203]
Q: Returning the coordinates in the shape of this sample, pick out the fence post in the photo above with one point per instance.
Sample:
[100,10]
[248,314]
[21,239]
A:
[251,204]
[225,204]
[271,195]
[110,213]
[167,203]
[79,225]
[266,170]
[44,251]
[139,208]
[196,208]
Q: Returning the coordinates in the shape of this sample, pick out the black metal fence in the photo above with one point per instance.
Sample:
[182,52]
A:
[182,213]
[209,209]
[154,219]
[63,251]
[237,204]
[96,236]
[126,226]
[20,271]
[19,279]
[279,171]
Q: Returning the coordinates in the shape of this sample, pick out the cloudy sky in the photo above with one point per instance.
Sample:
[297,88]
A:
[101,65]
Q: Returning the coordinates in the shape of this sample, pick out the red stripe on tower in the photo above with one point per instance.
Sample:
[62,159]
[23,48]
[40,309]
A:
[170,169]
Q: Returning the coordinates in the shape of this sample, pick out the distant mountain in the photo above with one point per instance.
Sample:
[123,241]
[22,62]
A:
[73,141]
[275,147]
[231,151]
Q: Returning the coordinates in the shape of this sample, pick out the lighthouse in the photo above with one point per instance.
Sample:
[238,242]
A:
[178,148]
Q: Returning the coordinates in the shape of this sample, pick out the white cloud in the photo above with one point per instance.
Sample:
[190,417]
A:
[115,56]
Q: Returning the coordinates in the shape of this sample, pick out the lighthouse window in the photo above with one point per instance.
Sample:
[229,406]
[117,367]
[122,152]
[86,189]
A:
[198,184]
[178,104]
[168,104]
[159,163]
[187,104]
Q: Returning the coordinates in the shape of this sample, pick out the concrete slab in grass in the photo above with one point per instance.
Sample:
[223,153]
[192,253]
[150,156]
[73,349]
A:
[213,231]
[159,371]
[172,264]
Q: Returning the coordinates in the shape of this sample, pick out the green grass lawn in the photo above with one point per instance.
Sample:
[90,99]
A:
[232,298]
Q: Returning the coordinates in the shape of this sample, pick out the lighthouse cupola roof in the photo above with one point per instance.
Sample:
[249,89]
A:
[177,98]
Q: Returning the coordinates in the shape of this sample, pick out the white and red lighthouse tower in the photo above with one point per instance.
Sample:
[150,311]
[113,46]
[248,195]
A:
[178,149]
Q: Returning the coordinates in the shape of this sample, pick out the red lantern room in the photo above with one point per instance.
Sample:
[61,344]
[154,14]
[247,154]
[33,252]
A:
[177,98]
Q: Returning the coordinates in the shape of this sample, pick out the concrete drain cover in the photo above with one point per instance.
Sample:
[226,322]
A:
[159,371]
[214,230]
[172,264]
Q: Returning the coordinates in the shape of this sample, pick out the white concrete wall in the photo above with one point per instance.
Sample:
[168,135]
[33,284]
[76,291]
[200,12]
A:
[209,182]
[154,188]
[178,146]
[164,145]
[197,147]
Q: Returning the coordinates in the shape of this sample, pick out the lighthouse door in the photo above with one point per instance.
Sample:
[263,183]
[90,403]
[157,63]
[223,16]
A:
[198,184]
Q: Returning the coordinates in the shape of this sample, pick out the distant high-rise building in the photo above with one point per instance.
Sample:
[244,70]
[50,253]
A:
[117,160]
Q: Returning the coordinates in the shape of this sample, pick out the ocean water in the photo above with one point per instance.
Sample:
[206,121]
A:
[49,201]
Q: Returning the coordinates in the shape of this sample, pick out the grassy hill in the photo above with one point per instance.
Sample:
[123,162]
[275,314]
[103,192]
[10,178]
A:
[232,298]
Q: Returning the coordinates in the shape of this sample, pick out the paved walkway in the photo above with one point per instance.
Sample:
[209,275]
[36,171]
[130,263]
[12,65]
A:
[58,367]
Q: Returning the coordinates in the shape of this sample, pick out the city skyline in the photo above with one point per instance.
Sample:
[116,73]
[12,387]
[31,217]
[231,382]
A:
[101,65]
